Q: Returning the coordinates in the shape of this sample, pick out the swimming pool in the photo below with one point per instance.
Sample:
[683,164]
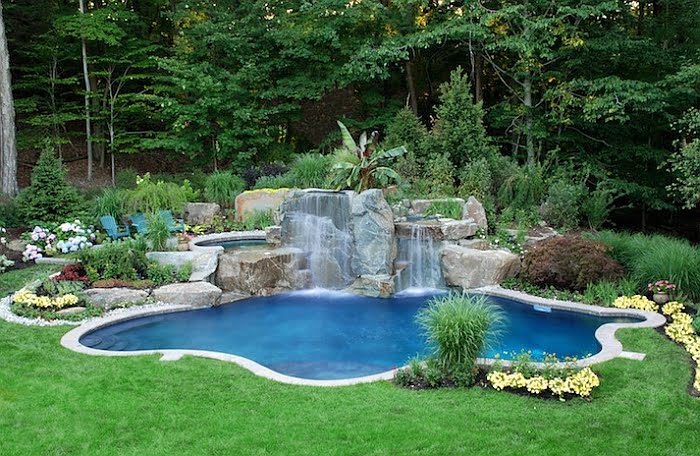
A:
[327,335]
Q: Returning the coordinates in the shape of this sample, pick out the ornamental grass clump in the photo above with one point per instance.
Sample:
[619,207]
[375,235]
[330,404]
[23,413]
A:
[458,328]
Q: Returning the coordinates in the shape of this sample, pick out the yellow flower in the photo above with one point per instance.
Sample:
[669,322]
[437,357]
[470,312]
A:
[25,296]
[536,385]
[635,302]
[672,308]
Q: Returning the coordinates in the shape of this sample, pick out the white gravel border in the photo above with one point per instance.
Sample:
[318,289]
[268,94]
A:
[611,347]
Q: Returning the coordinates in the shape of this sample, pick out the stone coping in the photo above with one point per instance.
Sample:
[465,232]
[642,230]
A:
[254,235]
[611,347]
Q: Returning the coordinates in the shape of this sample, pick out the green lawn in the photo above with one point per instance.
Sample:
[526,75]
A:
[57,402]
[14,280]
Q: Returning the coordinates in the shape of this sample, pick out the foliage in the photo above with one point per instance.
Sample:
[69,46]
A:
[158,232]
[647,258]
[635,302]
[163,274]
[580,383]
[363,165]
[72,273]
[406,129]
[275,182]
[54,239]
[222,187]
[151,196]
[112,201]
[49,197]
[122,260]
[596,208]
[446,208]
[475,180]
[5,264]
[270,170]
[310,171]
[563,205]
[458,328]
[438,180]
[570,262]
[257,220]
[685,163]
[524,188]
[459,131]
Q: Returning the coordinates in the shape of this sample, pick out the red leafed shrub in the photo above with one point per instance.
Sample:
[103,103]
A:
[73,273]
[570,262]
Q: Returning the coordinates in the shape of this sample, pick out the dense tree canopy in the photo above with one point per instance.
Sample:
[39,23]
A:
[593,85]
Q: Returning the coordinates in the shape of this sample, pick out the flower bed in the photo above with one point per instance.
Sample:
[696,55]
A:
[579,383]
[53,239]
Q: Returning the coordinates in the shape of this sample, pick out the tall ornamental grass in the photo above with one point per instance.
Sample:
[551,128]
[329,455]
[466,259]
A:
[222,187]
[458,328]
[648,258]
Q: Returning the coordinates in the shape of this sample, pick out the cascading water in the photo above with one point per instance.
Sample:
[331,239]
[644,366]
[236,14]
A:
[419,256]
[318,223]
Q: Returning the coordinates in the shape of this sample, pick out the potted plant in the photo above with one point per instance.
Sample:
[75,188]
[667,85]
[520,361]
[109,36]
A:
[661,290]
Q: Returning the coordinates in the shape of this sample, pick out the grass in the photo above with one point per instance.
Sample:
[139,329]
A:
[57,402]
[14,280]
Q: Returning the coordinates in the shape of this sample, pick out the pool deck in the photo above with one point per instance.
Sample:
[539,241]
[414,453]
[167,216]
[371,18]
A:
[611,347]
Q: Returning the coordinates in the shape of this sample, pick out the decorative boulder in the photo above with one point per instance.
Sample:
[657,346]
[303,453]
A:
[201,213]
[260,272]
[471,268]
[109,298]
[376,286]
[373,231]
[273,235]
[478,244]
[454,230]
[198,294]
[263,200]
[70,311]
[203,263]
[474,210]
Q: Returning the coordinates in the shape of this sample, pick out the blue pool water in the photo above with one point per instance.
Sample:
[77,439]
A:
[331,335]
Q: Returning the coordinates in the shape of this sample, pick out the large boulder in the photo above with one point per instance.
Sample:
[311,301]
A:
[109,298]
[260,271]
[471,268]
[376,286]
[203,262]
[373,231]
[474,210]
[197,294]
[201,213]
[263,200]
[439,230]
[454,230]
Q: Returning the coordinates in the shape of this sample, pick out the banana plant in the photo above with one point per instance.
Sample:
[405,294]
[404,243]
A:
[363,164]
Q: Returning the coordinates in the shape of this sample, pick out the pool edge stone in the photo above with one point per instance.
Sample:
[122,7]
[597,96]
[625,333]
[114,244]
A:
[605,334]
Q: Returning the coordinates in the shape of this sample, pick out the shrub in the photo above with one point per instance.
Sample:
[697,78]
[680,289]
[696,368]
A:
[311,171]
[524,187]
[73,273]
[112,201]
[570,262]
[126,178]
[596,208]
[163,274]
[563,205]
[122,260]
[281,181]
[151,196]
[49,197]
[405,129]
[158,232]
[251,175]
[649,258]
[459,130]
[439,176]
[5,264]
[222,187]
[459,328]
[475,180]
[258,220]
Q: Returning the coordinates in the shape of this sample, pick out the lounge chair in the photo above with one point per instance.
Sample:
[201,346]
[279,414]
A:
[172,225]
[112,229]
[138,221]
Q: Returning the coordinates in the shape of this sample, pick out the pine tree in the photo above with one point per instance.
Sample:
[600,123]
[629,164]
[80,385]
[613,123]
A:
[49,198]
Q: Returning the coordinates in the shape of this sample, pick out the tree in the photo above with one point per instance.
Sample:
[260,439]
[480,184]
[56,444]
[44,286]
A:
[8,146]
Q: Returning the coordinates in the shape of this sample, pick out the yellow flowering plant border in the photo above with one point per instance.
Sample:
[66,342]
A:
[580,383]
[30,298]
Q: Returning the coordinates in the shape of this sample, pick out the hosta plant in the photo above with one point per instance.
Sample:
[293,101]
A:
[362,165]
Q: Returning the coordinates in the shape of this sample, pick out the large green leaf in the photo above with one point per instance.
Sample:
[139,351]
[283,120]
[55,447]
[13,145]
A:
[348,142]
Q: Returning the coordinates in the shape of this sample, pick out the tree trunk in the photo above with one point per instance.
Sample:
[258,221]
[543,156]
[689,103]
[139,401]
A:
[410,82]
[98,144]
[88,92]
[478,68]
[8,145]
[529,139]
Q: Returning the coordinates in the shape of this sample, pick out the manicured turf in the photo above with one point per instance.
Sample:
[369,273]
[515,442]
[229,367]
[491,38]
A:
[57,402]
[14,280]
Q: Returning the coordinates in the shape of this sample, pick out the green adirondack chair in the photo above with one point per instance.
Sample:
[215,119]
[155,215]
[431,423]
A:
[112,229]
[138,221]
[173,226]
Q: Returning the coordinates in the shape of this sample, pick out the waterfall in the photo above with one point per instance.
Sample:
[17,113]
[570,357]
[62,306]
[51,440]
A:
[419,256]
[318,223]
